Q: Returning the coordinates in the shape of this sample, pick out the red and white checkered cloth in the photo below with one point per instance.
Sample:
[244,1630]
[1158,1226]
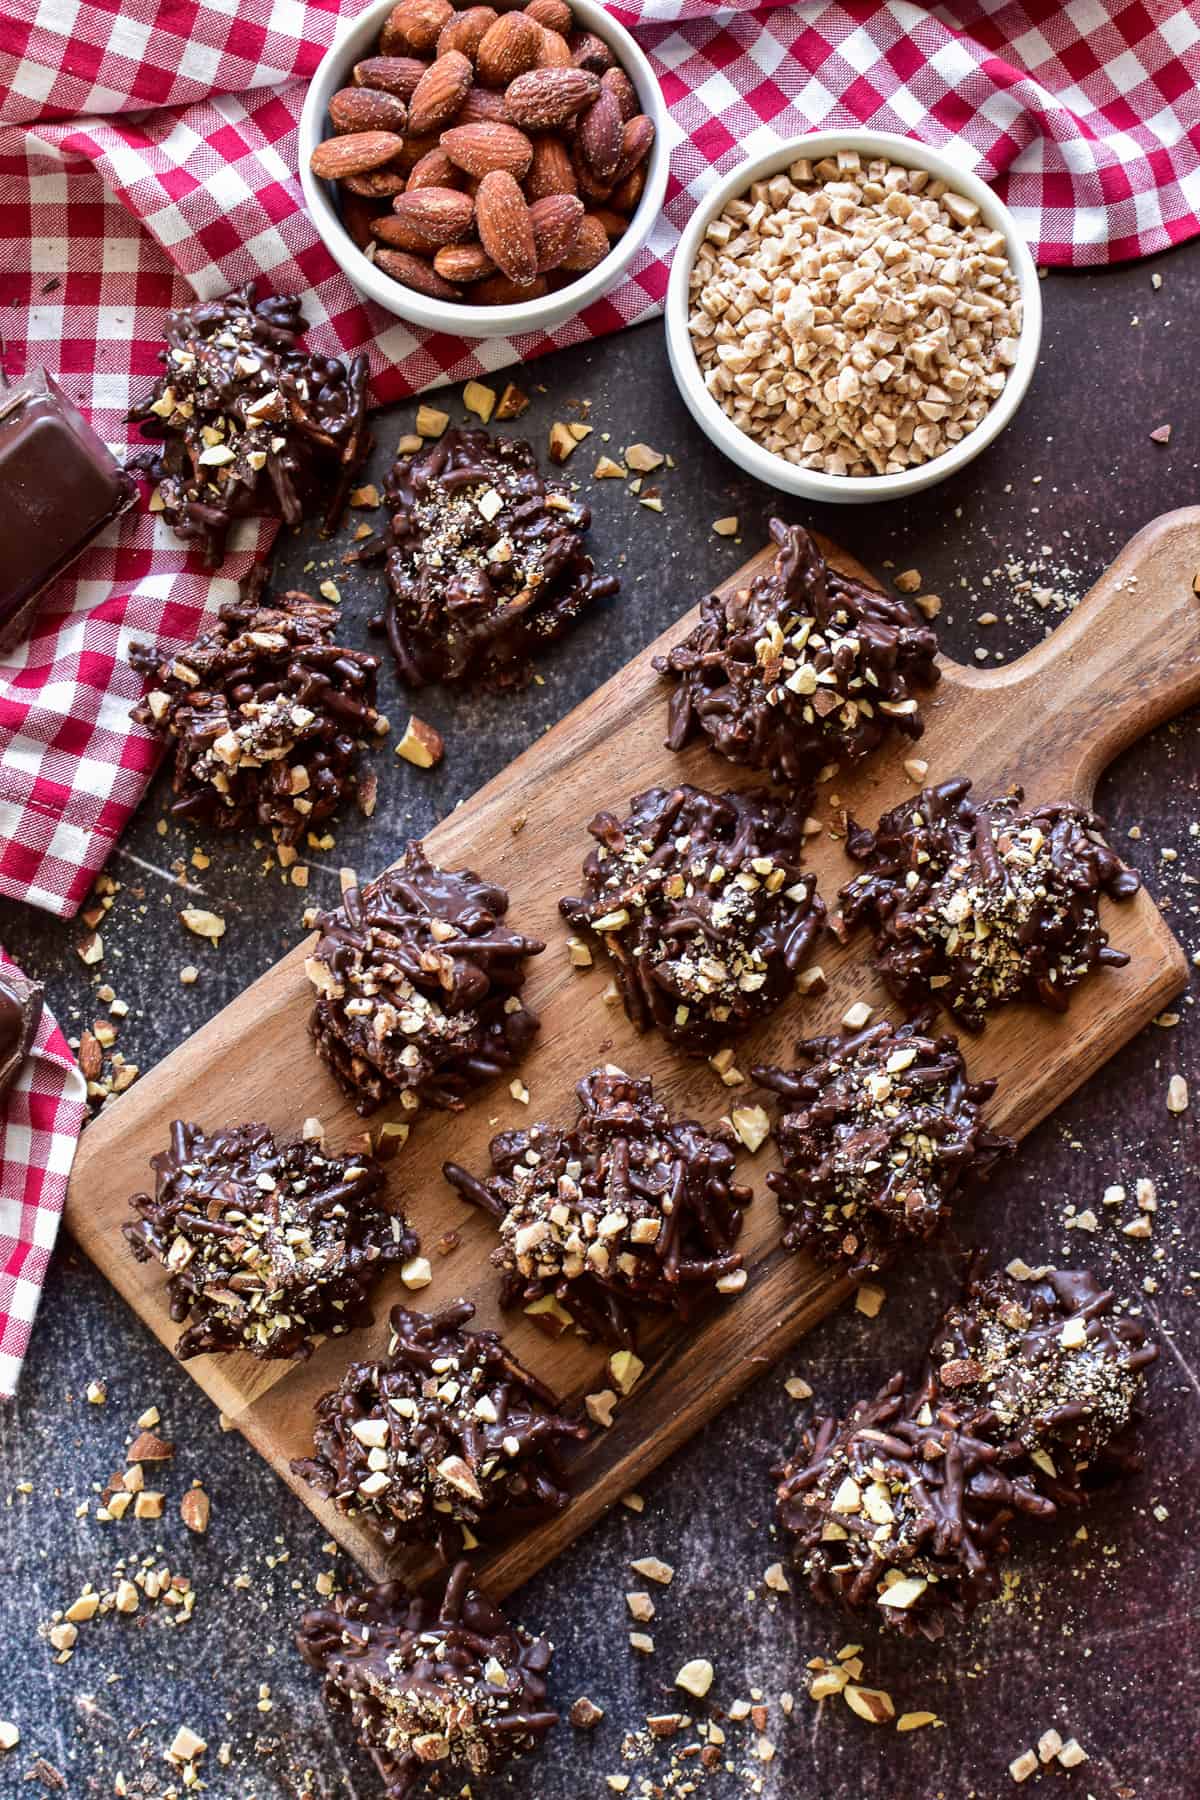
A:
[40,1120]
[148,152]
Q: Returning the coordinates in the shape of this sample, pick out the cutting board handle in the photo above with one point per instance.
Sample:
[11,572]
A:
[1125,660]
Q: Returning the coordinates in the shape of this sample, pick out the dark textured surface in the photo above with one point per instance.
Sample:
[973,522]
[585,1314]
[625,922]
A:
[1098,1637]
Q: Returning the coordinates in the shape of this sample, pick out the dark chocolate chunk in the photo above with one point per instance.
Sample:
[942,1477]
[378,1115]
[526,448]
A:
[877,1135]
[804,668]
[267,713]
[902,1513]
[418,981]
[250,422]
[268,1245]
[703,907]
[1045,1366]
[626,1209]
[59,488]
[20,1016]
[975,905]
[448,1441]
[440,1688]
[485,564]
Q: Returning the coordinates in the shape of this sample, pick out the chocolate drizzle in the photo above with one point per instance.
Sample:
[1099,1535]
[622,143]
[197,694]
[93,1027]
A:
[447,1441]
[251,423]
[268,1245]
[877,1135]
[418,981]
[267,715]
[486,563]
[440,1688]
[804,668]
[703,907]
[976,905]
[628,1208]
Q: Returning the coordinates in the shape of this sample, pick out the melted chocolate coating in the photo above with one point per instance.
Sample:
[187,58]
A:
[419,979]
[877,1135]
[703,907]
[803,668]
[294,423]
[267,714]
[20,1016]
[268,1245]
[447,1441]
[628,1208]
[441,1689]
[885,1498]
[1045,1370]
[485,562]
[975,905]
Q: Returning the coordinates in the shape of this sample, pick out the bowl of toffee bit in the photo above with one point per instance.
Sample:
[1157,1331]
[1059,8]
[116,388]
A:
[484,171]
[852,317]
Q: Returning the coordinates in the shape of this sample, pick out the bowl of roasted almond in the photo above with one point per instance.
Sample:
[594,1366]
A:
[483,171]
[852,317]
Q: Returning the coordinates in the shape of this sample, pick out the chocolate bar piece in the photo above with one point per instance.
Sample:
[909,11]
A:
[59,488]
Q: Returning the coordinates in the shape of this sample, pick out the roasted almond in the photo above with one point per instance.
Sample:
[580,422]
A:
[440,92]
[508,48]
[358,216]
[417,146]
[367,109]
[636,143]
[434,170]
[489,145]
[397,75]
[542,99]
[498,290]
[465,31]
[556,221]
[419,22]
[481,106]
[555,52]
[615,224]
[147,1446]
[551,171]
[195,1509]
[427,219]
[590,52]
[416,273]
[553,15]
[463,262]
[590,246]
[503,223]
[628,193]
[601,136]
[380,184]
[626,94]
[356,154]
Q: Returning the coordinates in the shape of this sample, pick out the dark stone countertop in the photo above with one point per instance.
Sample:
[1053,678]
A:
[1096,1637]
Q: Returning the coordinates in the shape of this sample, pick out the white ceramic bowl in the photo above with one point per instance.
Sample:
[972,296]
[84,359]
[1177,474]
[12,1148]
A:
[741,449]
[355,41]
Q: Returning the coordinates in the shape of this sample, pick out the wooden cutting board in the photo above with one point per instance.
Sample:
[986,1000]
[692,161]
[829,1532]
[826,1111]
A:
[1126,659]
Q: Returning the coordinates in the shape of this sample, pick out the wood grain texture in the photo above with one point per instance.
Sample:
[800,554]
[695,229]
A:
[1126,659]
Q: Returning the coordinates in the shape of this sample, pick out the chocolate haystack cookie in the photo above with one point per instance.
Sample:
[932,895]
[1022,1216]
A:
[877,1135]
[902,1513]
[268,1245]
[448,1441]
[251,423]
[703,907]
[975,905]
[804,668]
[267,714]
[418,981]
[441,1688]
[1045,1367]
[485,562]
[20,1016]
[630,1207]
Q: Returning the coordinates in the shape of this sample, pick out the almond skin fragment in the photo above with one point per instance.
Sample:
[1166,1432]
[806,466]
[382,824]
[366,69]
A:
[355,154]
[503,222]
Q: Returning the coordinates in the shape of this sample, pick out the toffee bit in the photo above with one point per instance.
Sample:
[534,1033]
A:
[447,1440]
[704,909]
[629,1208]
[485,563]
[267,1245]
[803,668]
[976,905]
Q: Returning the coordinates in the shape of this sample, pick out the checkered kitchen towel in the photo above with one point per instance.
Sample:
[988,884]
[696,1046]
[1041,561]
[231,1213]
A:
[40,1119]
[147,154]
